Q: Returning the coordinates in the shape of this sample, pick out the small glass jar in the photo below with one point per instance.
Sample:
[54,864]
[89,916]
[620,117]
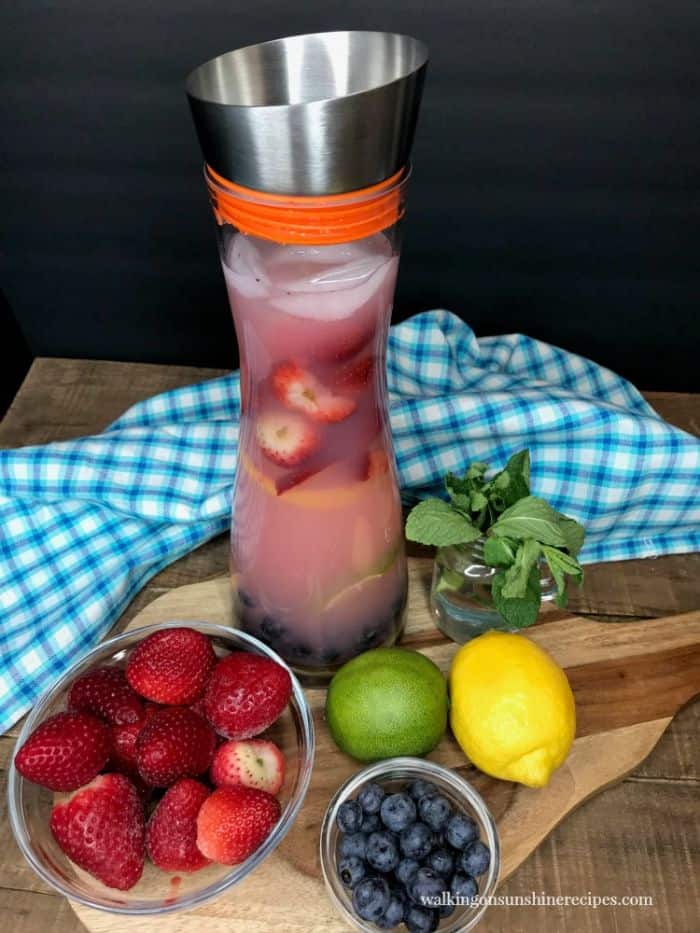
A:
[460,595]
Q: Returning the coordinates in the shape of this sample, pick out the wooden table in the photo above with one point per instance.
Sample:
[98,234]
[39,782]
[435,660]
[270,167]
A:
[640,838]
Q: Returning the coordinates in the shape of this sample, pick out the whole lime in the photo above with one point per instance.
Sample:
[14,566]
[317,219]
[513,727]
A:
[387,702]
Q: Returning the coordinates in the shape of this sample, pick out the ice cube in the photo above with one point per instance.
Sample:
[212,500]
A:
[336,290]
[244,267]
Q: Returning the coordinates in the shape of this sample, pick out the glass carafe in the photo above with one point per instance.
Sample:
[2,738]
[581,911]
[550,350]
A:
[317,550]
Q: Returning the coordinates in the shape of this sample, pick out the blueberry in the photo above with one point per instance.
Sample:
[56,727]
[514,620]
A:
[393,915]
[463,887]
[426,886]
[370,798]
[271,629]
[368,640]
[382,853]
[406,870]
[397,812]
[246,599]
[330,656]
[446,910]
[421,788]
[370,898]
[441,861]
[353,844]
[351,870]
[461,830]
[370,823]
[476,859]
[416,841]
[349,816]
[420,920]
[302,651]
[399,604]
[435,811]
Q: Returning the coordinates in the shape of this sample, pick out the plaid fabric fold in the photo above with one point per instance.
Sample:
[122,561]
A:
[85,523]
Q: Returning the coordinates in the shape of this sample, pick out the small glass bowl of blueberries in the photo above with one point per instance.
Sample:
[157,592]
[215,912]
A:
[407,844]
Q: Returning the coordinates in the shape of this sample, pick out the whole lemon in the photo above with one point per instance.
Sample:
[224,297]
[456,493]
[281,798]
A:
[511,708]
[387,702]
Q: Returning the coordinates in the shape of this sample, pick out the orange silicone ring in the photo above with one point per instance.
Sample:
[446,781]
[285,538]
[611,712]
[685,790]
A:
[336,218]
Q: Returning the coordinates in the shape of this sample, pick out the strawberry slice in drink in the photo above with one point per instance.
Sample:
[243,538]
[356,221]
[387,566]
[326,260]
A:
[286,439]
[355,375]
[299,390]
[377,463]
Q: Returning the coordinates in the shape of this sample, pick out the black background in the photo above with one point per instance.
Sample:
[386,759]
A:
[555,189]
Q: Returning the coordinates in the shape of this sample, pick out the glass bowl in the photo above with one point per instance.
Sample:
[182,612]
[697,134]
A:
[393,774]
[157,892]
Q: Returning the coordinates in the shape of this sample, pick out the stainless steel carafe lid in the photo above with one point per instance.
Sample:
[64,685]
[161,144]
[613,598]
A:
[310,115]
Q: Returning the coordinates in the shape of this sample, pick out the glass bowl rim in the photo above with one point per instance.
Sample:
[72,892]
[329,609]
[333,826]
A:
[416,768]
[15,781]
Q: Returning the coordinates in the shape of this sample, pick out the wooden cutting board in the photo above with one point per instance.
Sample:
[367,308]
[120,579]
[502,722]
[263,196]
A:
[629,680]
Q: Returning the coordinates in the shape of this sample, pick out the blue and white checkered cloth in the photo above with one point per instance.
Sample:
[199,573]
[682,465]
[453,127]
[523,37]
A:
[85,523]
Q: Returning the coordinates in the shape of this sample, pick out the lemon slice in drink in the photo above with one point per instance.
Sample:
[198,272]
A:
[317,492]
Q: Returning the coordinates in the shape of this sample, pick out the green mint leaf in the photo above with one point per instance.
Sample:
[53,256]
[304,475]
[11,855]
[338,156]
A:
[459,491]
[462,503]
[518,612]
[476,471]
[456,486]
[573,534]
[530,518]
[449,580]
[501,480]
[499,552]
[517,575]
[496,501]
[561,564]
[519,466]
[478,501]
[512,483]
[435,522]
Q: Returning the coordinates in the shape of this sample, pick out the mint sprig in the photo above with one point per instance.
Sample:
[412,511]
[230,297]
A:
[519,529]
[530,517]
[439,523]
[518,611]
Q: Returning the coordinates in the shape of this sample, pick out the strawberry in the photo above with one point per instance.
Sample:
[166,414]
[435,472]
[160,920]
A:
[174,743]
[123,755]
[253,763]
[171,833]
[377,463]
[101,828]
[145,791]
[334,408]
[299,390]
[286,439]
[289,480]
[124,735]
[198,707]
[171,666]
[346,342]
[246,694]
[65,751]
[234,821]
[105,693]
[355,375]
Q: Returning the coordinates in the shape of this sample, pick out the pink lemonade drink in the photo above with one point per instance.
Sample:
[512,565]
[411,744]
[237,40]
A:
[317,534]
[317,551]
